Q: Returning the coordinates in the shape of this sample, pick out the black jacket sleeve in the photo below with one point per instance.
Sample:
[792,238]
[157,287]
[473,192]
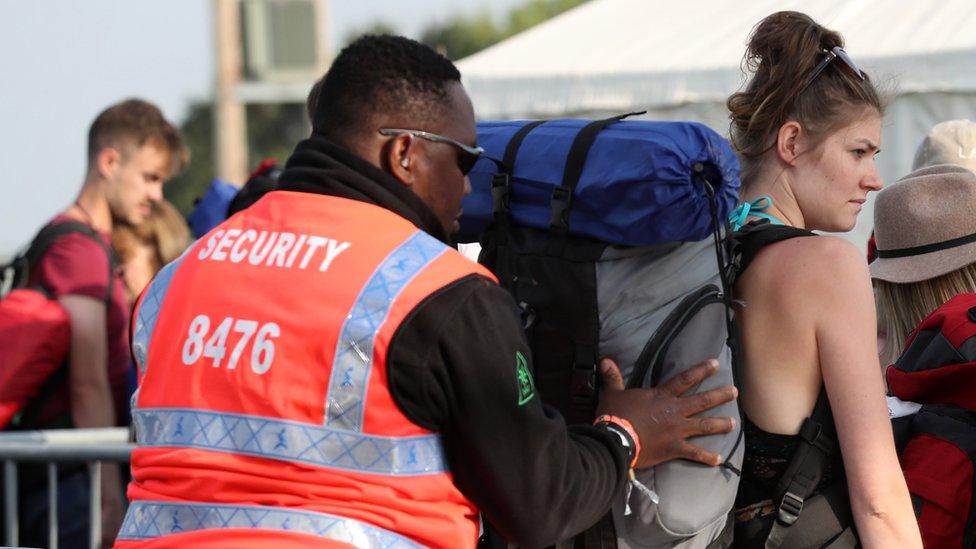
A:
[453,369]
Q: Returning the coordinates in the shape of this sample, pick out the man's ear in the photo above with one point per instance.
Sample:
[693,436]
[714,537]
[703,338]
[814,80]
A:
[787,142]
[399,158]
[107,161]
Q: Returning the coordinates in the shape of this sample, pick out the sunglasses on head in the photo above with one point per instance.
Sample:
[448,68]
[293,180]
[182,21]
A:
[836,52]
[467,155]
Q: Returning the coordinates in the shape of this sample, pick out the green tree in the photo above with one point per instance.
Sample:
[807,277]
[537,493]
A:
[534,12]
[462,35]
[272,131]
[378,27]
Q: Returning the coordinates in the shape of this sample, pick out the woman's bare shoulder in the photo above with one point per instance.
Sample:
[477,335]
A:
[812,264]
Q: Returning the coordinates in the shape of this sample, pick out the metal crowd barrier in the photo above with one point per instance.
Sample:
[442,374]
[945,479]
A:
[55,446]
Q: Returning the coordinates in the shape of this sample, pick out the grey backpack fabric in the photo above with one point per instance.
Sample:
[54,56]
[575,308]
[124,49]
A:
[671,298]
[661,306]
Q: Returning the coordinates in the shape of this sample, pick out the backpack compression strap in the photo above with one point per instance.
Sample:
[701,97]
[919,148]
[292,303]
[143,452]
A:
[562,196]
[501,183]
[816,451]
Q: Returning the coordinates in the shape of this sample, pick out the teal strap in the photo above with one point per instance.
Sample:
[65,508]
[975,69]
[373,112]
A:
[752,209]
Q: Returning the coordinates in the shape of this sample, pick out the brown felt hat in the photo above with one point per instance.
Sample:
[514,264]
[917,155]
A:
[950,142]
[925,224]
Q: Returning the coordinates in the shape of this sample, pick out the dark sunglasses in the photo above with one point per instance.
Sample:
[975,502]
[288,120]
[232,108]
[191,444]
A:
[836,52]
[467,155]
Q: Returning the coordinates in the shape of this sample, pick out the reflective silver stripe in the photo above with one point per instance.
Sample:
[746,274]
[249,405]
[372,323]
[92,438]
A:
[145,321]
[354,349]
[289,441]
[152,519]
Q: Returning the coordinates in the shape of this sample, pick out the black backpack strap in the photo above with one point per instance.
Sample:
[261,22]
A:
[29,415]
[818,437]
[562,196]
[753,237]
[501,183]
[52,232]
[814,454]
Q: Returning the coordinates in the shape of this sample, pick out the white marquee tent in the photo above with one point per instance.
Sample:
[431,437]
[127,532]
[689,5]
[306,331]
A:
[679,60]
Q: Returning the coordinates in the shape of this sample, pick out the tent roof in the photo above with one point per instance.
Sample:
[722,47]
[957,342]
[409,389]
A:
[618,54]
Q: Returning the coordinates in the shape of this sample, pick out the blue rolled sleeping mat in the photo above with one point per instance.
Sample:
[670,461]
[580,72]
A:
[637,185]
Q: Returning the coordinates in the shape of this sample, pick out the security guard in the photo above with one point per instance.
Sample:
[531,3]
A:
[322,369]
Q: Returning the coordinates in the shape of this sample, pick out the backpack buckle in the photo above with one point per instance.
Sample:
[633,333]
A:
[789,508]
[7,277]
[562,197]
[500,184]
[812,432]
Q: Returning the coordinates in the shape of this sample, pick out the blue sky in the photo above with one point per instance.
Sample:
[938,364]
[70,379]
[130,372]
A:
[63,61]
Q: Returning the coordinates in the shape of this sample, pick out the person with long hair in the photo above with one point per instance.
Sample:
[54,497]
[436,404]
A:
[807,127]
[145,248]
[925,280]
[928,213]
[902,305]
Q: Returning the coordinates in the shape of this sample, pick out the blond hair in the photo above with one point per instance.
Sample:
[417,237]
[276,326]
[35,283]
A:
[901,307]
[165,231]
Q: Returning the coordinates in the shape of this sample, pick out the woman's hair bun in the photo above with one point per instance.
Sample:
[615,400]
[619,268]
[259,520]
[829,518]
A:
[783,38]
[782,53]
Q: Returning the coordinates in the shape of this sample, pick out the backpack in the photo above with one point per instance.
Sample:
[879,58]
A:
[35,331]
[937,369]
[806,514]
[607,235]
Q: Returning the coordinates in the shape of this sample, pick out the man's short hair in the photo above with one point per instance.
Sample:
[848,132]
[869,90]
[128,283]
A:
[380,74]
[313,99]
[132,124]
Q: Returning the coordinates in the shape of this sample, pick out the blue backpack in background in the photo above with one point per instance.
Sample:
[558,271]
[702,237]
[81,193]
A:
[211,209]
[631,183]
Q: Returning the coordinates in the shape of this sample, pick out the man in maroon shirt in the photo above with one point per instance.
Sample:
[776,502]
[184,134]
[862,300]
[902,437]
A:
[132,150]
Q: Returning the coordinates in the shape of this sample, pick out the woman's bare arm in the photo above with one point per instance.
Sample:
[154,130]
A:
[839,299]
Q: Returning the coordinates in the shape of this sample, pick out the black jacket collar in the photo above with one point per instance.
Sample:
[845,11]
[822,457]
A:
[322,167]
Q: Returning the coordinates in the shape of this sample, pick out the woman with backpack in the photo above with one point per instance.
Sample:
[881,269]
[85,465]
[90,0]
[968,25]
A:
[925,280]
[819,457]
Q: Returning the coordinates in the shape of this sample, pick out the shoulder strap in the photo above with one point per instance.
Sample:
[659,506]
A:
[28,417]
[816,451]
[52,232]
[753,237]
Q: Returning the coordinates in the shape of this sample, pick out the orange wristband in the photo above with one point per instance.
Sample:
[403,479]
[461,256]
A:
[628,427]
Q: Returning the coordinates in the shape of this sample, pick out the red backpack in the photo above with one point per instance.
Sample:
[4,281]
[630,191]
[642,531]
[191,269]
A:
[35,331]
[938,370]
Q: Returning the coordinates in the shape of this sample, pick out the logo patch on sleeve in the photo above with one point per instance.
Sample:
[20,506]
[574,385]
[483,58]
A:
[525,385]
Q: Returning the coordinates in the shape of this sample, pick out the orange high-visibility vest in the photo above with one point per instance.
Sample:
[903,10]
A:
[263,412]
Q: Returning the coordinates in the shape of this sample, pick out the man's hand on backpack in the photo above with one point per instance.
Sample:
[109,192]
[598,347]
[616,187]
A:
[662,415]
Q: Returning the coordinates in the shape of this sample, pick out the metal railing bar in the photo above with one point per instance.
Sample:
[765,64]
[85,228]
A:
[98,435]
[24,451]
[52,447]
[95,504]
[52,505]
[10,503]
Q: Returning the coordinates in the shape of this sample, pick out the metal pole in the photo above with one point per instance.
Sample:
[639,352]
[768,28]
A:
[10,502]
[230,117]
[52,505]
[95,502]
[323,55]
